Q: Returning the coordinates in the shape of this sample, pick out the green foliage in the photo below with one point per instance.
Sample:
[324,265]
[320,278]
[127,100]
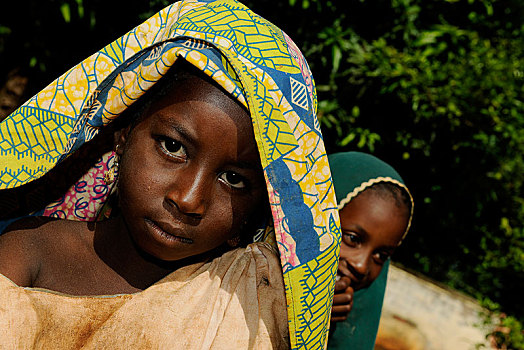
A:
[510,334]
[507,331]
[47,37]
[436,89]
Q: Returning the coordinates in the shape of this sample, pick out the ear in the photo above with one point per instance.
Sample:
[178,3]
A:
[120,138]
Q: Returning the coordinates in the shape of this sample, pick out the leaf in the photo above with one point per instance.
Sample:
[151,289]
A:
[4,30]
[65,9]
[346,140]
[337,56]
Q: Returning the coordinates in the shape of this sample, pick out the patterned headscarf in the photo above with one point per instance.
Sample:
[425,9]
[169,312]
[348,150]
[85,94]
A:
[255,62]
[353,173]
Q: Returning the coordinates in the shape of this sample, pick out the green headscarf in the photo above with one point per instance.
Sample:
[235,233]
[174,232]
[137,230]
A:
[352,173]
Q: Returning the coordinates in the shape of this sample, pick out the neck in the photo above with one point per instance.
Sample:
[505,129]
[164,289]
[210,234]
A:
[115,247]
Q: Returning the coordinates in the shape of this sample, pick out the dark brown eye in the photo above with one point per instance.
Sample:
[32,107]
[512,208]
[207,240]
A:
[383,256]
[350,238]
[233,179]
[173,147]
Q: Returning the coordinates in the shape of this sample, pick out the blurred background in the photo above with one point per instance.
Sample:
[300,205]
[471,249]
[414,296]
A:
[433,87]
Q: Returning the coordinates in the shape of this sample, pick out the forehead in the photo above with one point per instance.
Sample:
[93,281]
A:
[186,83]
[204,115]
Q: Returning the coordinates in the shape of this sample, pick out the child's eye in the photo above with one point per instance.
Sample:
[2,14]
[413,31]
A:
[350,238]
[233,179]
[382,256]
[172,147]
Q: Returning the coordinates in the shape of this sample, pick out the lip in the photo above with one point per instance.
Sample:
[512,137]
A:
[356,284]
[353,281]
[167,232]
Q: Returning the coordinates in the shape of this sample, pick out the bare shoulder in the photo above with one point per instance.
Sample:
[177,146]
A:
[19,251]
[26,243]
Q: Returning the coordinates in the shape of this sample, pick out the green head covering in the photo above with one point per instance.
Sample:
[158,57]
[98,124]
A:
[352,173]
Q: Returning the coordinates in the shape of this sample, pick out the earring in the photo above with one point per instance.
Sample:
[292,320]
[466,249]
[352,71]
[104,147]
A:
[111,175]
[234,242]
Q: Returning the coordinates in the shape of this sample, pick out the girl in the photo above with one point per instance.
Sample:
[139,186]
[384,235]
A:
[161,177]
[376,209]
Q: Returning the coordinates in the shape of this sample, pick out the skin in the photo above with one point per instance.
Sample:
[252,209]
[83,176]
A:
[372,228]
[190,180]
[195,189]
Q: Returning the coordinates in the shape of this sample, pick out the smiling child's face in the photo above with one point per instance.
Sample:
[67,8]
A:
[190,175]
[372,228]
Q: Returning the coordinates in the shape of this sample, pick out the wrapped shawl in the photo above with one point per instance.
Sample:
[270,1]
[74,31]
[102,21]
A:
[255,62]
[232,302]
[353,173]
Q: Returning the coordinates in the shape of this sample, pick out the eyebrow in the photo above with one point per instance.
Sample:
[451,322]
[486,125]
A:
[364,233]
[180,129]
[249,166]
[187,136]
[359,228]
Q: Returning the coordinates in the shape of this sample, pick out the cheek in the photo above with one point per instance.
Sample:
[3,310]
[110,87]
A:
[219,220]
[374,272]
[246,213]
[345,251]
[138,179]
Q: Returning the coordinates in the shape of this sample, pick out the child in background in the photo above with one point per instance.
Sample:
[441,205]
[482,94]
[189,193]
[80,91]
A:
[167,149]
[376,210]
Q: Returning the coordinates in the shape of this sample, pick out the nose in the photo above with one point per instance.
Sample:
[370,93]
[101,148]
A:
[360,266]
[188,192]
[358,263]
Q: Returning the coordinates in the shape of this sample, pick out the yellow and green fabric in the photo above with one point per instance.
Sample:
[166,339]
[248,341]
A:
[255,62]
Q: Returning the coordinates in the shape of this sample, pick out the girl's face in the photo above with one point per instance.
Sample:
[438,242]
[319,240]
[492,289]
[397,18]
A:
[372,227]
[190,175]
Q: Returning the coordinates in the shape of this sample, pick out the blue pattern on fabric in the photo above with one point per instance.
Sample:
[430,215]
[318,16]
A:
[297,214]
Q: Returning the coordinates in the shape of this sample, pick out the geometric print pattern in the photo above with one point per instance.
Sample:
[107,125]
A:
[298,93]
[252,36]
[256,61]
[36,135]
[312,286]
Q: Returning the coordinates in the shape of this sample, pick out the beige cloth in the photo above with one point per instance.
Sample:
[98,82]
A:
[236,301]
